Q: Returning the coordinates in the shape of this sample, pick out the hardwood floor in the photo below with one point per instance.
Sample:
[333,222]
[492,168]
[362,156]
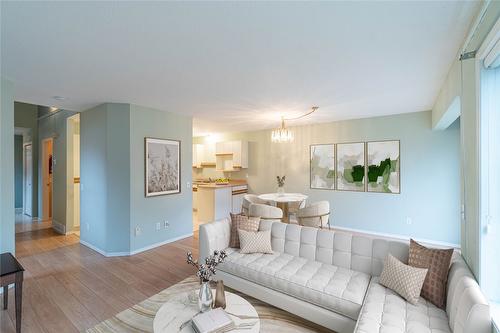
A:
[69,287]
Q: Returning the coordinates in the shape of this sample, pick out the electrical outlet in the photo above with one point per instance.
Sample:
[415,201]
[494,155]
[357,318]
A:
[158,226]
[88,226]
[408,221]
[188,185]
[137,231]
[166,224]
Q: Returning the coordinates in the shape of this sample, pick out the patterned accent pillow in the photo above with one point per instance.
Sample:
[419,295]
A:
[239,221]
[405,280]
[255,242]
[438,263]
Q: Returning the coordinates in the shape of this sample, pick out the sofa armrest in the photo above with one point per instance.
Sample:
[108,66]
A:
[214,236]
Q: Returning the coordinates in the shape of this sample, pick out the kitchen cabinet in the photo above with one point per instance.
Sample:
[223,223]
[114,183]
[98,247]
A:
[231,155]
[203,155]
[197,155]
[214,203]
[208,154]
[239,192]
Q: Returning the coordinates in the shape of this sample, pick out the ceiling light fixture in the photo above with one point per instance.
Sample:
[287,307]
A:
[285,135]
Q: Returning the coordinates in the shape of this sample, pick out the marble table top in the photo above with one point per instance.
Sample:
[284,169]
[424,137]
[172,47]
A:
[184,306]
[283,197]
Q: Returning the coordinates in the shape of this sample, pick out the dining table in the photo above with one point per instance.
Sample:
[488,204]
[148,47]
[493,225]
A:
[283,200]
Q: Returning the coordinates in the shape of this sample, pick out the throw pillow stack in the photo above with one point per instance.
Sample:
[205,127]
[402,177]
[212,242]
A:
[245,234]
[425,275]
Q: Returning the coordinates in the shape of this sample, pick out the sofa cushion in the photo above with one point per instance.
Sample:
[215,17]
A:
[406,280]
[384,311]
[335,288]
[243,222]
[437,261]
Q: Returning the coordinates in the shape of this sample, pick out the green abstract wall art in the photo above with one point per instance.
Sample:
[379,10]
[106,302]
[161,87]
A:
[351,166]
[322,166]
[383,160]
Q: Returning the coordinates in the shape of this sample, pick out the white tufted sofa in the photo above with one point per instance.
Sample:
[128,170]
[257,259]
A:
[331,278]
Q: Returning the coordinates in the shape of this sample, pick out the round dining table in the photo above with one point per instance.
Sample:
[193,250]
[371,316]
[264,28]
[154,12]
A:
[282,200]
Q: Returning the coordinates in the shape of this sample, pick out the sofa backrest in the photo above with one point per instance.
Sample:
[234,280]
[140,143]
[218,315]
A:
[467,308]
[360,253]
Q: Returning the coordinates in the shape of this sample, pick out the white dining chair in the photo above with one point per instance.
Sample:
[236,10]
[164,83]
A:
[249,199]
[315,215]
[265,212]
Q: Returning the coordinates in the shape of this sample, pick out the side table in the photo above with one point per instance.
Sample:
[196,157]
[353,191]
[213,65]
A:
[11,272]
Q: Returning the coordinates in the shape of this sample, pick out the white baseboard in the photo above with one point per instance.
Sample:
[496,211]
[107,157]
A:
[150,247]
[58,227]
[397,237]
[131,253]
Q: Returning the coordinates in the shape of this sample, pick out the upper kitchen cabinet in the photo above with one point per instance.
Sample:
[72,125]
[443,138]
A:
[197,155]
[231,155]
[208,155]
[203,155]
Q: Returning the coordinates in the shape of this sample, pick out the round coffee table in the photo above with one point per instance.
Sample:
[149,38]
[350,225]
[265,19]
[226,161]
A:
[180,309]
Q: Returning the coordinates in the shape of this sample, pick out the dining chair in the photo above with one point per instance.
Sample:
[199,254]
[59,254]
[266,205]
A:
[315,215]
[249,199]
[265,212]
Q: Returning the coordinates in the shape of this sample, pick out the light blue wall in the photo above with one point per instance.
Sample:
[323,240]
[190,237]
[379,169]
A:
[430,174]
[118,177]
[112,178]
[7,216]
[18,170]
[93,176]
[26,116]
[105,177]
[176,208]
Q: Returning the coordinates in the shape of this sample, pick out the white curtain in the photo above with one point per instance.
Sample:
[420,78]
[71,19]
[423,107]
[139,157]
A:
[490,182]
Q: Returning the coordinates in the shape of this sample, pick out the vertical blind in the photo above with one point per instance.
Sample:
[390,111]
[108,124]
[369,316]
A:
[490,182]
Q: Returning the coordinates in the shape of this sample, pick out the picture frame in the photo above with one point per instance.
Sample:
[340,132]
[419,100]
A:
[350,167]
[322,166]
[383,171]
[162,166]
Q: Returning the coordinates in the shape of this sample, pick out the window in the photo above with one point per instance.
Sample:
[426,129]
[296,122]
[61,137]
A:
[490,186]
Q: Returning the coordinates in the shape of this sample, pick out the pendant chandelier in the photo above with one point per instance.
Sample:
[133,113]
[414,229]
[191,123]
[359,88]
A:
[283,134]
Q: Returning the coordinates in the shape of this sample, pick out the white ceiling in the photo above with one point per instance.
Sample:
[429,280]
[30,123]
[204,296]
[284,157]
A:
[234,65]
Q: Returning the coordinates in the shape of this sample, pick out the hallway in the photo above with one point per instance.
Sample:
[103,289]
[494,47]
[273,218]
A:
[27,223]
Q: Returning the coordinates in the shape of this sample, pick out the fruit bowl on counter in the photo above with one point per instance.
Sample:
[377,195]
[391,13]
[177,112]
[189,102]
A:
[222,181]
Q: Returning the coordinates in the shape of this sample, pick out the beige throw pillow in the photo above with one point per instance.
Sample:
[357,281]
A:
[255,242]
[405,280]
[239,221]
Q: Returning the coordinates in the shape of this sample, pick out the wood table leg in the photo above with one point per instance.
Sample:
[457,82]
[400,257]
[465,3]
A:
[284,208]
[19,300]
[5,296]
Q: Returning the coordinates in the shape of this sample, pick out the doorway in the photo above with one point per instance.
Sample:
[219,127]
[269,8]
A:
[28,179]
[73,175]
[47,177]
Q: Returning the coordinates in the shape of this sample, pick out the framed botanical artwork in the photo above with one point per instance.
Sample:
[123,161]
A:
[162,166]
[351,166]
[322,166]
[383,160]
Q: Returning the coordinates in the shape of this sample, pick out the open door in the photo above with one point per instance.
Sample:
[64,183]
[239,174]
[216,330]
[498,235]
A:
[28,179]
[47,153]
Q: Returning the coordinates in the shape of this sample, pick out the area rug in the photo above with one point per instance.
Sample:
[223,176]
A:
[139,318]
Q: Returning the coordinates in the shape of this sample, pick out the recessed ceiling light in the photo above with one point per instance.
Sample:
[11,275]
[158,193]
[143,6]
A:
[59,98]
